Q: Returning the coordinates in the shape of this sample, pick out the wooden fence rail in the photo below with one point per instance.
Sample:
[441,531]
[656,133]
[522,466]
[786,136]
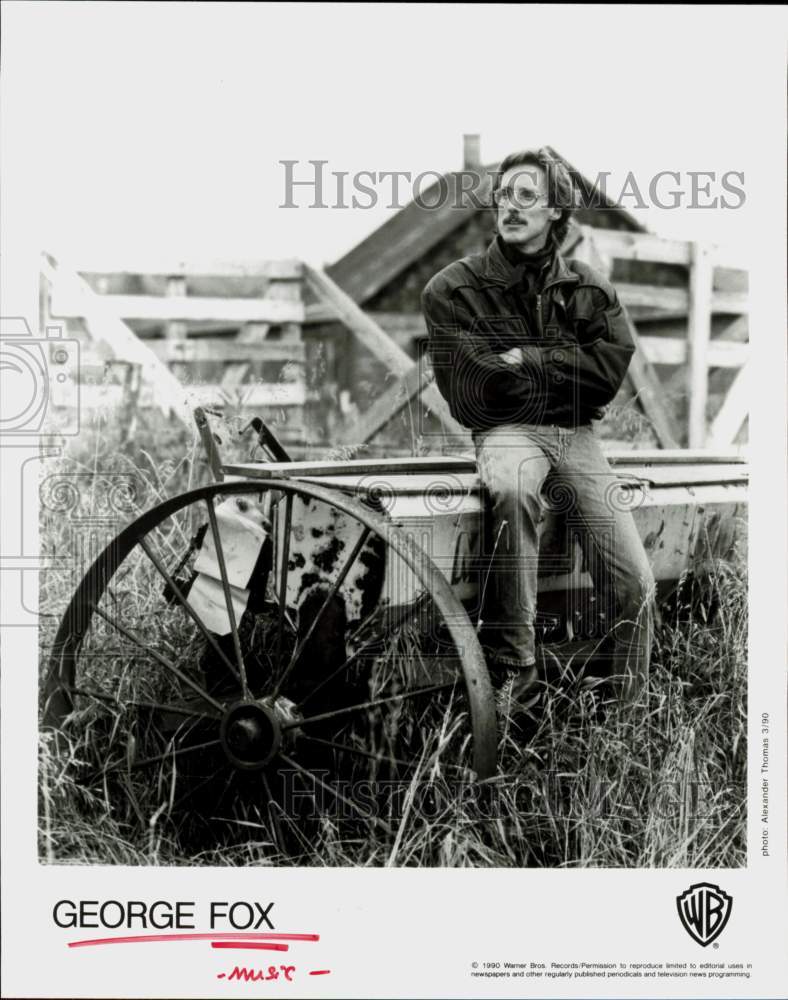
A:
[184,371]
[672,328]
[709,270]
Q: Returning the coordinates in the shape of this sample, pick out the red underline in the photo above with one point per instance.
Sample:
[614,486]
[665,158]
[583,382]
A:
[260,945]
[320,972]
[232,936]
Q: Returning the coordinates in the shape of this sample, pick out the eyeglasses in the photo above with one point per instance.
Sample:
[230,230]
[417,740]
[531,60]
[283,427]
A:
[520,197]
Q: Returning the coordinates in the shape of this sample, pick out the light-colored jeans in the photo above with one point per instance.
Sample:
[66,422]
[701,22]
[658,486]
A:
[528,468]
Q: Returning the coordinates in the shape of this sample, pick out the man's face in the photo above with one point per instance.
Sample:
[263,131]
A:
[524,217]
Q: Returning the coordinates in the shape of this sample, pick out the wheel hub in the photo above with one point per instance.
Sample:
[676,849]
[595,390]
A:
[250,735]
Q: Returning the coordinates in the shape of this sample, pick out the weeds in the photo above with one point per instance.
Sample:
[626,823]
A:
[579,785]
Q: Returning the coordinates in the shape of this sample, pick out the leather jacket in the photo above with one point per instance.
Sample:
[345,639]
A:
[573,335]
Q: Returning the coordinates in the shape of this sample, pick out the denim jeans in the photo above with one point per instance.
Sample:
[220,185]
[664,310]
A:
[527,468]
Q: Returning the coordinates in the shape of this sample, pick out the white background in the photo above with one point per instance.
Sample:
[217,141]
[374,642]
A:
[132,128]
[171,119]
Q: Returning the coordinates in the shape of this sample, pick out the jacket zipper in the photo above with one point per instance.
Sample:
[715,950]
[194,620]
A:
[539,318]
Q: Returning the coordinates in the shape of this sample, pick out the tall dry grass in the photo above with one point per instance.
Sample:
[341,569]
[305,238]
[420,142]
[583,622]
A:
[581,782]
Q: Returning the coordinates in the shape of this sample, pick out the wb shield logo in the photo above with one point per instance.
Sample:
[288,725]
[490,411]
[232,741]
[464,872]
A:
[704,910]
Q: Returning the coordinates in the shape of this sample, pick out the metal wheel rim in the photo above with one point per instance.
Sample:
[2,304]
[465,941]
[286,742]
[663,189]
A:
[79,614]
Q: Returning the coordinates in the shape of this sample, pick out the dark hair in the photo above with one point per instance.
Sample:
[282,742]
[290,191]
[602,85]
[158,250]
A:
[560,190]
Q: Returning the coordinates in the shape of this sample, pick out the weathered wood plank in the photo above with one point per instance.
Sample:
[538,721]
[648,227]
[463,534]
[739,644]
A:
[251,394]
[252,333]
[319,312]
[160,266]
[393,399]
[641,246]
[736,303]
[247,397]
[672,351]
[650,394]
[176,288]
[736,332]
[698,336]
[404,322]
[641,375]
[225,349]
[362,326]
[678,299]
[733,412]
[378,343]
[105,326]
[357,466]
[209,443]
[646,246]
[680,456]
[195,308]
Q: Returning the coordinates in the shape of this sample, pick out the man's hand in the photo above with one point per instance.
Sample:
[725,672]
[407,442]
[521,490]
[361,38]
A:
[514,356]
[519,355]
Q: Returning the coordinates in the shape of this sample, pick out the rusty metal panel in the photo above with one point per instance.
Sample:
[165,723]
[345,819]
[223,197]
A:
[321,540]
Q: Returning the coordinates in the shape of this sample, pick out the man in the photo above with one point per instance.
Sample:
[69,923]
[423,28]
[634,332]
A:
[527,349]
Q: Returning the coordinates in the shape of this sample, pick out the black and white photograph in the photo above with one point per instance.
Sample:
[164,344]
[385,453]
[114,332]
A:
[393,431]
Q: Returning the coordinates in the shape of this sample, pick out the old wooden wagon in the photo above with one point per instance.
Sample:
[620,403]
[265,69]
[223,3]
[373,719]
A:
[320,619]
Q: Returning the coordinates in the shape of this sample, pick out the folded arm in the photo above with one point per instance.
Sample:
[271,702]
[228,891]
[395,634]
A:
[480,385]
[532,383]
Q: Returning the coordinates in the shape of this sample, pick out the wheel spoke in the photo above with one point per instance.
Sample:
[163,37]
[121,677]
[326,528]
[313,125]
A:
[342,667]
[192,792]
[283,579]
[226,789]
[167,755]
[329,598]
[385,758]
[194,544]
[273,819]
[298,723]
[395,618]
[337,795]
[160,659]
[228,597]
[279,812]
[344,748]
[136,703]
[354,656]
[186,606]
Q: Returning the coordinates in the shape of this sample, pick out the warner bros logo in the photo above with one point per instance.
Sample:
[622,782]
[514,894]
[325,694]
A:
[704,910]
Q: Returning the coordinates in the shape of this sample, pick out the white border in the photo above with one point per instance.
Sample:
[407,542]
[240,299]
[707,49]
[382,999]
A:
[415,933]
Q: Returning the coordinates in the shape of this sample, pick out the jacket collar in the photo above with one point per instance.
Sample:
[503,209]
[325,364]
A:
[497,269]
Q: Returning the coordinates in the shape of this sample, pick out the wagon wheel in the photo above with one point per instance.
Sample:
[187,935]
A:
[266,703]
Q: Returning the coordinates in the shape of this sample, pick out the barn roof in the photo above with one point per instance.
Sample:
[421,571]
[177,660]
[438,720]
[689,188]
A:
[414,231]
